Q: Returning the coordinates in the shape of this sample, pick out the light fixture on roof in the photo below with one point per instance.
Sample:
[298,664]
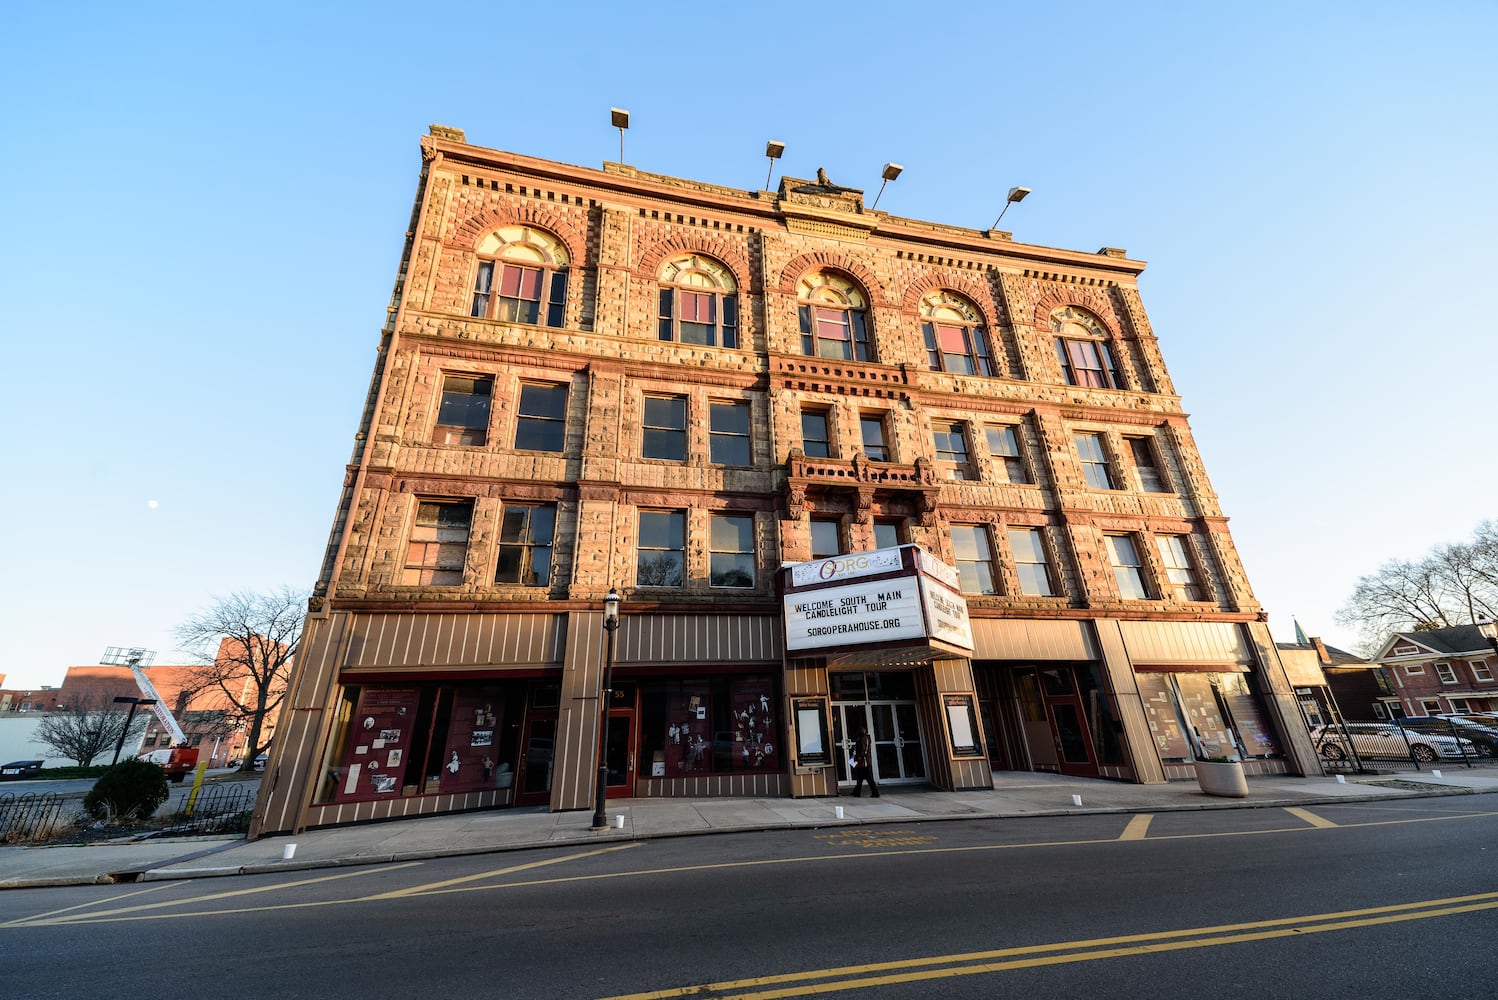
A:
[774,150]
[1016,194]
[889,173]
[620,120]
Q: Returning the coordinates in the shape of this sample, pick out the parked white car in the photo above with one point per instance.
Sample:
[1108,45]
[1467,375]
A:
[1386,740]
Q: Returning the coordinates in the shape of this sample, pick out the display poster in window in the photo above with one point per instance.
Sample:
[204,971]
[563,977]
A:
[688,737]
[753,743]
[1204,715]
[1253,728]
[962,722]
[811,733]
[470,763]
[1160,710]
[378,744]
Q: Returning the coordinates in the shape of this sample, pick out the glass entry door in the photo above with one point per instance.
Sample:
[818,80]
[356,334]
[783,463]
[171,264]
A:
[1068,722]
[619,753]
[536,754]
[896,733]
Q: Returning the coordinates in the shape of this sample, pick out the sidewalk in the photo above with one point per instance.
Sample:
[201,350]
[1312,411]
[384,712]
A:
[1015,795]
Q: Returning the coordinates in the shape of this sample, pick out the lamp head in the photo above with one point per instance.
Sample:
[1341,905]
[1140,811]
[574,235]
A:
[619,117]
[611,608]
[774,150]
[1488,629]
[891,171]
[1017,194]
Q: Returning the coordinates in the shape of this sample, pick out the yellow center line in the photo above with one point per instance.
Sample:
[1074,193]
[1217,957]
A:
[1138,827]
[1310,817]
[1079,951]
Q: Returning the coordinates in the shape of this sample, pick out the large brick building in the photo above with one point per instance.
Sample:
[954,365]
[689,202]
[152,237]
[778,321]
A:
[608,378]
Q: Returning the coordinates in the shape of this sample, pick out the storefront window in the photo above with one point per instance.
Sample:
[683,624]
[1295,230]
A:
[1205,714]
[710,726]
[398,740]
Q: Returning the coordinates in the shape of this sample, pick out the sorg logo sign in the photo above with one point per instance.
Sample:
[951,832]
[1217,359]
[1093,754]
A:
[832,567]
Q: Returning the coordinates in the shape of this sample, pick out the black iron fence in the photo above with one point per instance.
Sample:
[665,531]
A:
[31,817]
[220,808]
[1413,744]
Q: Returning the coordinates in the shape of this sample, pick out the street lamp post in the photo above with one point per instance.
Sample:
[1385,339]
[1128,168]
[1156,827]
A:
[605,696]
[134,703]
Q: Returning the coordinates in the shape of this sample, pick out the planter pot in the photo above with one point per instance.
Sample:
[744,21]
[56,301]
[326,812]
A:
[1222,778]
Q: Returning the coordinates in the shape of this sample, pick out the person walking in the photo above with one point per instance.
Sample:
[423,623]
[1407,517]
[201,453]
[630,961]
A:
[863,763]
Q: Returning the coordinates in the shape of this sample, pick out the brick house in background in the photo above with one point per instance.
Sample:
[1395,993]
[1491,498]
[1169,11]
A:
[612,378]
[1442,670]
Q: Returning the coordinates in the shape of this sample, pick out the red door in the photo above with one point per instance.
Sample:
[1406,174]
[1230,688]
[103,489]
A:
[1068,718]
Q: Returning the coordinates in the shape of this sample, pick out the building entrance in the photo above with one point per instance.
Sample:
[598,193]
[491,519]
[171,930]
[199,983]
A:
[883,703]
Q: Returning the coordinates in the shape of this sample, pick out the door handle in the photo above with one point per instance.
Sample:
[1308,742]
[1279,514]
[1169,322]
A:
[631,760]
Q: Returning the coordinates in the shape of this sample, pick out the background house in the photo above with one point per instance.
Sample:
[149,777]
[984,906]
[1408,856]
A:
[1438,671]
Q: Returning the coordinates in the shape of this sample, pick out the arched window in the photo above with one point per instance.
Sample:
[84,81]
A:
[1082,346]
[834,318]
[953,331]
[698,302]
[523,279]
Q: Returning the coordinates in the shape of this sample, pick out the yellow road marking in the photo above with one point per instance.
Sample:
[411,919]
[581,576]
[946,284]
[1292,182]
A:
[1033,956]
[1138,827]
[1310,817]
[95,902]
[438,886]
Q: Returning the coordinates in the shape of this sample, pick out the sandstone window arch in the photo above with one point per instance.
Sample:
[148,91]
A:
[1083,346]
[954,335]
[521,277]
[698,302]
[833,313]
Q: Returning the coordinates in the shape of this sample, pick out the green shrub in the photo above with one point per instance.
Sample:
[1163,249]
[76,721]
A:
[131,789]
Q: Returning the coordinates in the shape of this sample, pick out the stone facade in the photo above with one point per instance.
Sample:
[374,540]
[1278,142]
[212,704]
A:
[617,229]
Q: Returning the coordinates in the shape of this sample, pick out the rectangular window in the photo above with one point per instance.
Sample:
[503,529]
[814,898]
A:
[958,349]
[1480,670]
[1431,706]
[887,534]
[1004,446]
[1128,569]
[1031,563]
[728,433]
[541,421]
[660,561]
[826,538]
[1151,479]
[731,550]
[1094,460]
[974,555]
[872,429]
[439,544]
[1180,570]
[665,428]
[1411,669]
[1447,675]
[525,536]
[519,294]
[951,450]
[463,416]
[815,440]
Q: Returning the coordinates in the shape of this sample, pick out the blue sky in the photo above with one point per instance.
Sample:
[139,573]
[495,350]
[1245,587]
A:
[204,213]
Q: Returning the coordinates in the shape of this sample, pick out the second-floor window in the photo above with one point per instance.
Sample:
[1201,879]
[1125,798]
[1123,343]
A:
[1031,562]
[665,428]
[1447,675]
[698,303]
[438,547]
[521,278]
[660,554]
[1147,465]
[731,550]
[463,414]
[525,535]
[826,538]
[1128,568]
[1180,569]
[974,555]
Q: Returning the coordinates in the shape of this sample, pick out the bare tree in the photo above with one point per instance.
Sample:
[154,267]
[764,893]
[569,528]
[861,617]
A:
[1451,585]
[244,644]
[86,729]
